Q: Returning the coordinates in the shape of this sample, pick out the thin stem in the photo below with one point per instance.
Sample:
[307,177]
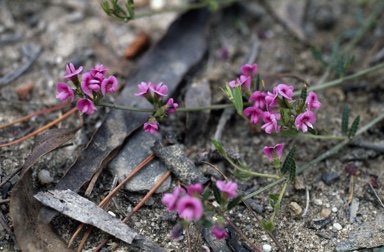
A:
[329,137]
[265,175]
[279,201]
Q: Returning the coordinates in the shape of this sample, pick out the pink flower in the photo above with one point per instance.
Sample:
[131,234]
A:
[274,151]
[259,98]
[285,91]
[144,88]
[228,188]
[254,112]
[160,89]
[99,69]
[312,101]
[190,208]
[170,199]
[305,120]
[72,73]
[196,188]
[172,106]
[270,120]
[249,70]
[85,105]
[271,98]
[243,81]
[151,127]
[89,83]
[219,231]
[109,85]
[65,92]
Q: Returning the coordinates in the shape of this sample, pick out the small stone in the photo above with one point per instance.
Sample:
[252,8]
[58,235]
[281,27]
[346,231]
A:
[299,183]
[329,177]
[318,202]
[295,209]
[45,177]
[325,212]
[337,226]
[267,248]
[334,209]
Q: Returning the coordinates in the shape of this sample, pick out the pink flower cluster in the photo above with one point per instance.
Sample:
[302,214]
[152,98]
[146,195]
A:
[266,105]
[90,89]
[155,94]
[188,204]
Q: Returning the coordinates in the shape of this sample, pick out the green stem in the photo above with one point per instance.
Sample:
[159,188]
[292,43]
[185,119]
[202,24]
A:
[345,78]
[329,137]
[325,155]
[264,175]
[275,209]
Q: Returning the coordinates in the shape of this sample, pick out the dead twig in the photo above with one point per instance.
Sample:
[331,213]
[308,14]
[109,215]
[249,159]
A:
[377,196]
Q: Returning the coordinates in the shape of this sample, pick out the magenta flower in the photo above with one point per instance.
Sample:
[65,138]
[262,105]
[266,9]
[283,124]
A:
[254,112]
[243,81]
[196,188]
[99,69]
[151,127]
[190,208]
[85,105]
[270,122]
[249,70]
[172,106]
[227,188]
[259,98]
[305,120]
[65,92]
[89,83]
[72,72]
[144,88]
[312,101]
[109,85]
[271,98]
[170,199]
[274,151]
[285,91]
[219,231]
[160,89]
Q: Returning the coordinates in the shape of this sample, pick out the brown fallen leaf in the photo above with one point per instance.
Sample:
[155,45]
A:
[31,234]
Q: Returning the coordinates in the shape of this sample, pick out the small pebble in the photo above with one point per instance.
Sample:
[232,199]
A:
[318,202]
[45,177]
[337,226]
[295,209]
[325,212]
[267,248]
[329,177]
[334,209]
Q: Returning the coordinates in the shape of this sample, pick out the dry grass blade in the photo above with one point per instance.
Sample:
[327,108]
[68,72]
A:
[47,126]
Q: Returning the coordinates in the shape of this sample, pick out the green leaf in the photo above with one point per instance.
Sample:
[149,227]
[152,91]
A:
[206,194]
[304,93]
[131,8]
[273,198]
[257,82]
[285,116]
[312,131]
[267,225]
[335,52]
[289,162]
[242,175]
[345,120]
[219,147]
[216,193]
[292,171]
[289,133]
[234,202]
[354,127]
[238,99]
[317,55]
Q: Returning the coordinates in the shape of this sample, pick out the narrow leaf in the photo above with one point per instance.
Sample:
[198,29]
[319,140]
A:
[242,175]
[292,171]
[317,55]
[354,127]
[219,147]
[238,99]
[312,131]
[234,202]
[206,195]
[267,225]
[216,193]
[344,120]
[304,93]
[289,162]
[284,114]
[257,82]
[273,198]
